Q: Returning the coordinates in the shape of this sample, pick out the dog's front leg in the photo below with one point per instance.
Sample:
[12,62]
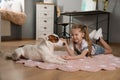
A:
[55,59]
[61,59]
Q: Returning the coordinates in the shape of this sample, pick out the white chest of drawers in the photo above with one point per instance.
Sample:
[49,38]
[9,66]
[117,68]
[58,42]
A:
[44,20]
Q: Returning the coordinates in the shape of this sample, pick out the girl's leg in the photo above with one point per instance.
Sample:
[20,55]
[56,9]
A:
[108,49]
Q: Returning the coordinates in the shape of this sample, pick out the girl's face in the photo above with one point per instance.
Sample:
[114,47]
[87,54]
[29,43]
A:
[77,35]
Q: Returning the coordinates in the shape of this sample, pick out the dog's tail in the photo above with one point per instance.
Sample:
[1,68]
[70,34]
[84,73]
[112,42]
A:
[6,55]
[11,56]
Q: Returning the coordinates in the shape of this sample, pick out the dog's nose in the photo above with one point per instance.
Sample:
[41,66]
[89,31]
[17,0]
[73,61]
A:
[63,44]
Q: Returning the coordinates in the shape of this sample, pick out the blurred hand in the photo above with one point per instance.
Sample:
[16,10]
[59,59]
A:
[66,57]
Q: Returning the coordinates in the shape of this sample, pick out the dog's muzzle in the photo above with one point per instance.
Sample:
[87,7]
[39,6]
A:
[59,43]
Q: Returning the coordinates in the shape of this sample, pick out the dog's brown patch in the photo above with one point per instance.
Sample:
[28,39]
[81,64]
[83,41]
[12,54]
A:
[53,38]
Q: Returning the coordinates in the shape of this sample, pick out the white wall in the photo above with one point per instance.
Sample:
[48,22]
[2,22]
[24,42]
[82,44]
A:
[28,29]
[115,21]
[69,5]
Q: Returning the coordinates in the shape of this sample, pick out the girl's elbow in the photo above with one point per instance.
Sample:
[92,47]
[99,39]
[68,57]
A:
[110,51]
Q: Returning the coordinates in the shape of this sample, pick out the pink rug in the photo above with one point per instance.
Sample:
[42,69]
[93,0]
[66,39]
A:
[96,63]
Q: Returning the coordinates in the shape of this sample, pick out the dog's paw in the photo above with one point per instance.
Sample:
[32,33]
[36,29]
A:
[63,62]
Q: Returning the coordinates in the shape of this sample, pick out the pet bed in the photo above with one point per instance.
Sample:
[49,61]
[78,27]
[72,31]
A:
[12,16]
[92,64]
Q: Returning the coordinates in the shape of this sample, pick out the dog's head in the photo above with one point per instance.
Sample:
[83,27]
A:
[55,40]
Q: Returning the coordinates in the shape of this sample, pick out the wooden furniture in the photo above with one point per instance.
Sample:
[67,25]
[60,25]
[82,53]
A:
[96,12]
[44,19]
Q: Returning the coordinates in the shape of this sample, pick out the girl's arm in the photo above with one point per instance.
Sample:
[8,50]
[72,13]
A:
[82,55]
[70,51]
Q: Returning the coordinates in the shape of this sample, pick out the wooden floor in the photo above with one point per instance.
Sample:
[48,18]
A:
[9,70]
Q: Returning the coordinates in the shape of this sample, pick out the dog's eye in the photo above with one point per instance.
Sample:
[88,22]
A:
[56,38]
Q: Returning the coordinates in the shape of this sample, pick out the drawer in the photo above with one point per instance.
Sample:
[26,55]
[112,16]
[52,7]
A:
[44,28]
[45,8]
[43,34]
[45,14]
[44,21]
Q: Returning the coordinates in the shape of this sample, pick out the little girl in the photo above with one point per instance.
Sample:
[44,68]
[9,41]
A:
[81,43]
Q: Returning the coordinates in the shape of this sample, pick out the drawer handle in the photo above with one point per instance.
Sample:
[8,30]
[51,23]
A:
[45,27]
[45,20]
[44,34]
[45,7]
[45,14]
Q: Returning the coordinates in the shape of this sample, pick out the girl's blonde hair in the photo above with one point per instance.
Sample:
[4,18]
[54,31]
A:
[85,30]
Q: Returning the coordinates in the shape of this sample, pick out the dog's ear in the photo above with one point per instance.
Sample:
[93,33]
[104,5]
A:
[53,38]
[42,40]
[46,38]
[49,43]
[55,35]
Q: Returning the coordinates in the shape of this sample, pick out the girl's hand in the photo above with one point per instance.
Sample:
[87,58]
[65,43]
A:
[67,57]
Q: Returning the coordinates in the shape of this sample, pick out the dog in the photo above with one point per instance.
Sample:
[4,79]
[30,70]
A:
[43,51]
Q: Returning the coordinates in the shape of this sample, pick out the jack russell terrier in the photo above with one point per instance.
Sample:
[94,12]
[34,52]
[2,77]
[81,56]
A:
[43,51]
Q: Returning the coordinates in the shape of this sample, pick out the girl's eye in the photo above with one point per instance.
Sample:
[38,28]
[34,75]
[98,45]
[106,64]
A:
[76,34]
[71,34]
